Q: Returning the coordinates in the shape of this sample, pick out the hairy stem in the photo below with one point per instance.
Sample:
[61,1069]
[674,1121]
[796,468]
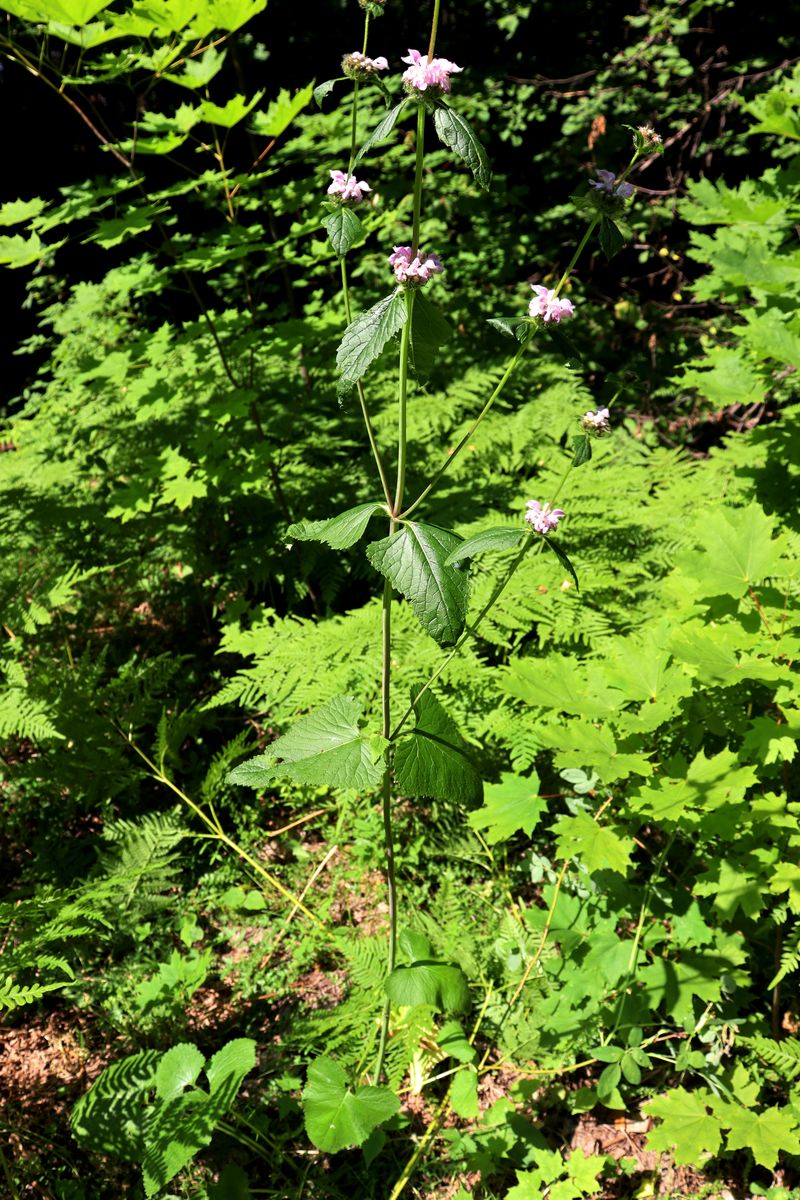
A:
[418,178]
[434,29]
[362,399]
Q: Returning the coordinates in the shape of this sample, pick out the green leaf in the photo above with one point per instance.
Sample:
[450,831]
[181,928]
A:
[739,551]
[184,1119]
[381,130]
[453,1042]
[282,112]
[439,985]
[688,1129]
[338,532]
[337,1117]
[510,805]
[19,251]
[563,344]
[464,1094]
[413,560]
[14,212]
[230,114]
[109,1117]
[432,760]
[514,327]
[501,537]
[596,846]
[197,72]
[581,449]
[611,237]
[459,136]
[429,331]
[365,339]
[326,748]
[324,89]
[768,1133]
[562,557]
[344,229]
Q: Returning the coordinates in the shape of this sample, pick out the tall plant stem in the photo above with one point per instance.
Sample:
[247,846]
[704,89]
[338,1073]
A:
[590,228]
[448,462]
[402,406]
[418,178]
[362,399]
[434,29]
[353,130]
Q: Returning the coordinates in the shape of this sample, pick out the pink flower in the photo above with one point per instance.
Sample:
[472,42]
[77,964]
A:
[549,306]
[414,269]
[359,65]
[605,183]
[347,187]
[596,422]
[542,517]
[422,74]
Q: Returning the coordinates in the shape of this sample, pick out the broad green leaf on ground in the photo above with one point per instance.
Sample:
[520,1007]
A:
[501,537]
[786,878]
[738,551]
[585,744]
[459,136]
[732,887]
[767,1134]
[338,1117]
[182,1121]
[440,985]
[365,339]
[281,112]
[326,748]
[429,331]
[344,229]
[433,758]
[687,1127]
[452,1041]
[597,846]
[553,682]
[381,130]
[229,114]
[508,806]
[338,532]
[464,1094]
[414,561]
[110,1116]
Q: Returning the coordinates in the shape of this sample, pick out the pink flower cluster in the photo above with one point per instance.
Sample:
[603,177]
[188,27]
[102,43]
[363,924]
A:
[605,183]
[550,307]
[542,517]
[359,64]
[413,269]
[422,74]
[347,187]
[596,422]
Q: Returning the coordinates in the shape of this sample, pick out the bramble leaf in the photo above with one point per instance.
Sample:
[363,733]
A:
[366,337]
[432,760]
[459,136]
[325,748]
[414,560]
[337,1117]
[338,532]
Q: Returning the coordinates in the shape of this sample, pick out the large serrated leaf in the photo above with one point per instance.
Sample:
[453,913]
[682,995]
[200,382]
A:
[326,748]
[432,760]
[338,532]
[460,137]
[413,560]
[337,1117]
[365,339]
[510,805]
[344,229]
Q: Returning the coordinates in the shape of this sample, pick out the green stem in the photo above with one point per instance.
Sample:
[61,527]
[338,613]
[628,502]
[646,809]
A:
[362,399]
[595,221]
[418,178]
[469,434]
[434,29]
[402,404]
[353,127]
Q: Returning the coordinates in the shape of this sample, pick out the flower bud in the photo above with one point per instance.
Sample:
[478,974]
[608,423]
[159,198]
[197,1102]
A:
[596,423]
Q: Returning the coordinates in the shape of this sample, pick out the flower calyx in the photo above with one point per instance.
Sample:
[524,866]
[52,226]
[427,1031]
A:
[412,270]
[360,66]
[596,422]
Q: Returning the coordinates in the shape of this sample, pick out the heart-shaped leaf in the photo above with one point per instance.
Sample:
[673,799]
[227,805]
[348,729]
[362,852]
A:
[336,1116]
